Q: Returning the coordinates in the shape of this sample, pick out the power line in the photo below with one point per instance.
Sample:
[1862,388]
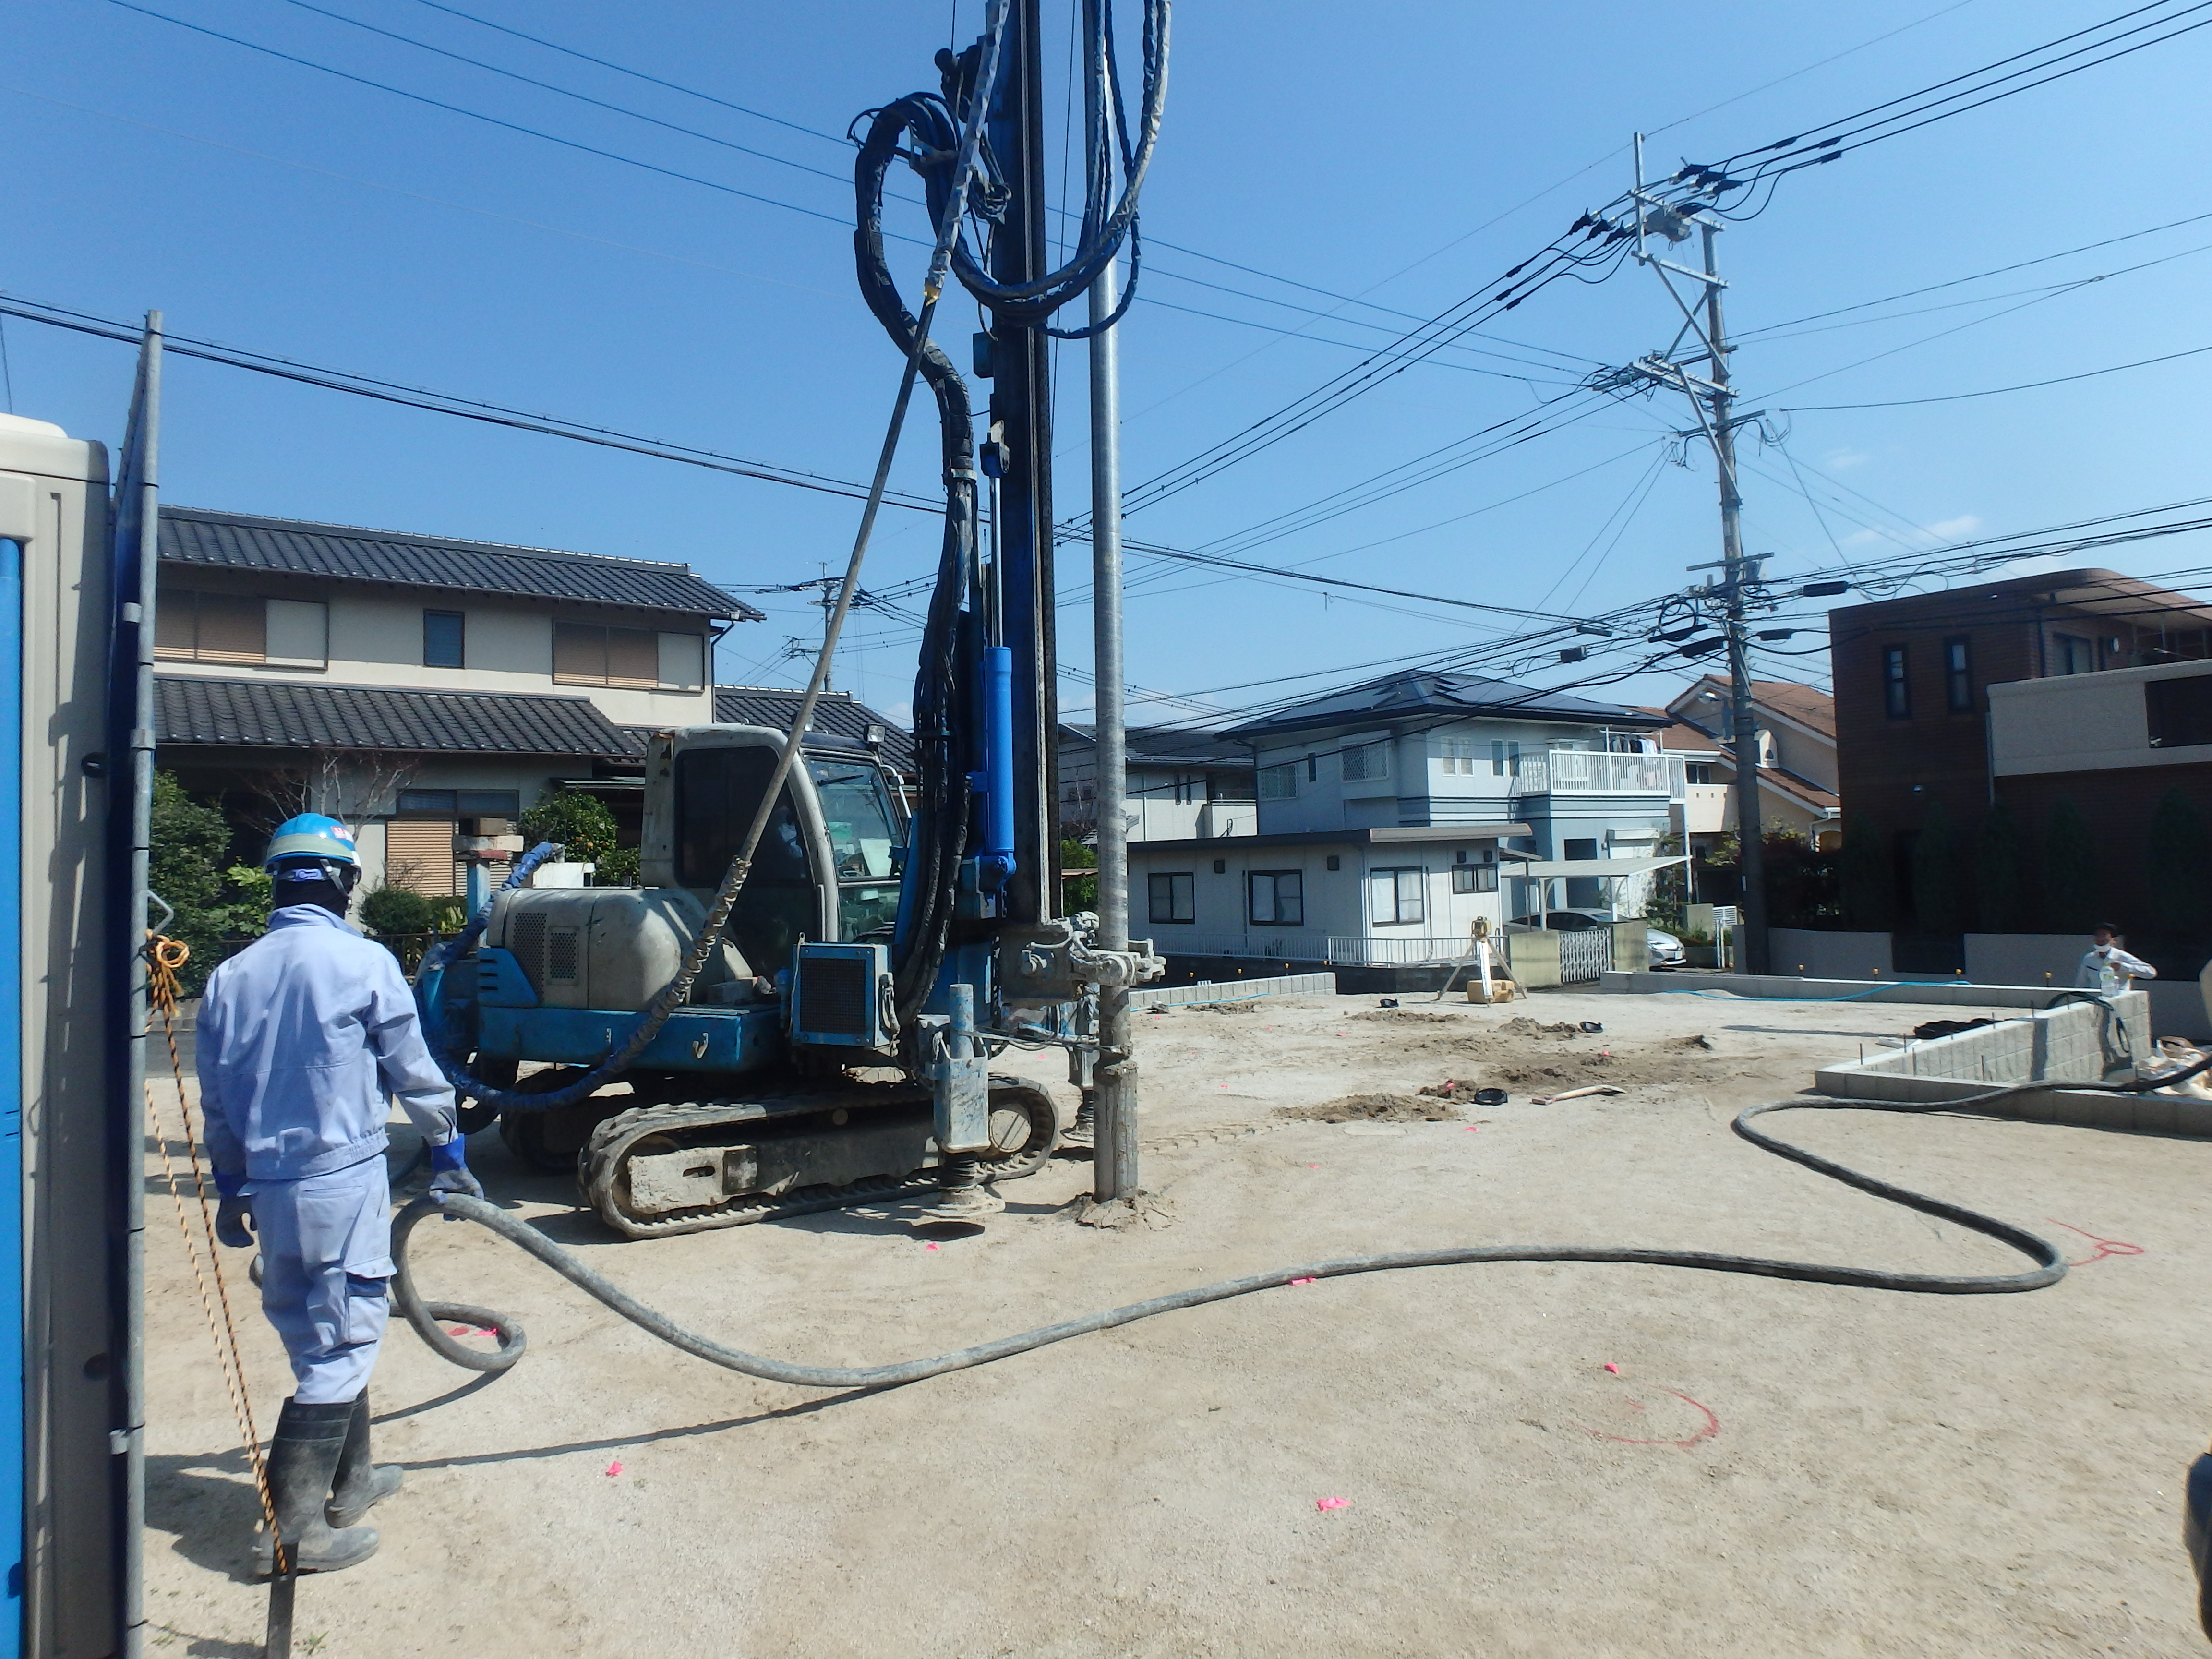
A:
[1999,391]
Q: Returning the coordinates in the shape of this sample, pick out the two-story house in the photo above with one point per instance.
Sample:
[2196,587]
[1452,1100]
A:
[1394,814]
[418,686]
[1182,784]
[1796,727]
[1916,679]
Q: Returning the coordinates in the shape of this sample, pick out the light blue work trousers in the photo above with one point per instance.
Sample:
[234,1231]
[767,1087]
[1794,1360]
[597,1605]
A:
[326,1265]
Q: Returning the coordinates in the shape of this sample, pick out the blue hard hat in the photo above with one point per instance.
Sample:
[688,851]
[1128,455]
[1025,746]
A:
[310,841]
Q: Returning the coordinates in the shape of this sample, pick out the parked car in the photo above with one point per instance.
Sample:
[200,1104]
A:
[1662,948]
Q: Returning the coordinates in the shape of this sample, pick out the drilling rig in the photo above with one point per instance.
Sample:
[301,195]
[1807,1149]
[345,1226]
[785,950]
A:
[726,1044]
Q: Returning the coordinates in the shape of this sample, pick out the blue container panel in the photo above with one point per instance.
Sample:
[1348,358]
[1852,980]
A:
[693,1040]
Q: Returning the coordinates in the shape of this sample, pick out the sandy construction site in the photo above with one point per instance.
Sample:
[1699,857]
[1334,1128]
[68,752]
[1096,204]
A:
[1498,1460]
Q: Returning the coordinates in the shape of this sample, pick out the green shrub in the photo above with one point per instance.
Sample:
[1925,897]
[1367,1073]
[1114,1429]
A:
[2179,870]
[186,868]
[2001,873]
[580,822]
[391,910]
[1078,892]
[2070,871]
[617,869]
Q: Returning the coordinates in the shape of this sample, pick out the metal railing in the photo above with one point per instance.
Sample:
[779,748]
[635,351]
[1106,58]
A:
[1585,955]
[1595,772]
[1336,950]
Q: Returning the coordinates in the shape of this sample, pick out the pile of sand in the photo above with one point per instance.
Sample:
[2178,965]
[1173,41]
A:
[1375,1108]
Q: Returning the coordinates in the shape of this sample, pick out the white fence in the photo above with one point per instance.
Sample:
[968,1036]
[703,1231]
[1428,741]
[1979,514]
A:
[1335,949]
[1585,955]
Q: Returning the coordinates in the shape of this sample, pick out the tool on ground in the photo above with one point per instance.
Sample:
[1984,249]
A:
[793,926]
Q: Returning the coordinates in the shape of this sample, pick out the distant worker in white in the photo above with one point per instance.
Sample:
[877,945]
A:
[2107,966]
[301,1036]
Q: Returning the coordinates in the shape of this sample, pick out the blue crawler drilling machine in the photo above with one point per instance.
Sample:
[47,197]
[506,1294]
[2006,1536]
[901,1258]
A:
[726,1044]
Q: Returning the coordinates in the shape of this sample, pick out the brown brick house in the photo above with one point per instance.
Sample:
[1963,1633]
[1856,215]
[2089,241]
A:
[1923,852]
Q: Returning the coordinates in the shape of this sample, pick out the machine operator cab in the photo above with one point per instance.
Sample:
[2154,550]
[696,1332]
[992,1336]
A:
[827,868]
[826,871]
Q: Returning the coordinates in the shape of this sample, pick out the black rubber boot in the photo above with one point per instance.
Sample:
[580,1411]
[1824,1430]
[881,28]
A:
[360,1485]
[303,1457]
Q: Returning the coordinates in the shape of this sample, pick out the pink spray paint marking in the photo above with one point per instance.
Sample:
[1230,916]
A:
[1712,1425]
[613,1469]
[1332,1503]
[1614,1368]
[2104,1246]
[931,1245]
[1300,1281]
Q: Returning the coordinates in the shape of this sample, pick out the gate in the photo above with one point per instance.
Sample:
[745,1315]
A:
[1585,955]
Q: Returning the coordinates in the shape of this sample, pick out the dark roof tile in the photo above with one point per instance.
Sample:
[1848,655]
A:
[284,714]
[239,541]
[838,715]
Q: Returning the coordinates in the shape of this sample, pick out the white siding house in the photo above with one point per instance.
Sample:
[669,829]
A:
[1394,815]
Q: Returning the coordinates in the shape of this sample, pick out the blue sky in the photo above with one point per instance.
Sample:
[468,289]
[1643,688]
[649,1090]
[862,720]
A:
[1403,156]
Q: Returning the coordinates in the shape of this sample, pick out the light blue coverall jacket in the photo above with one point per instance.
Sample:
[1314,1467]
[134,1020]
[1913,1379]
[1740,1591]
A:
[300,1036]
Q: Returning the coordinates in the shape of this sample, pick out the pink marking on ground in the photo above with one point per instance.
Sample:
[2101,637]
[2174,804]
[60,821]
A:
[2104,1246]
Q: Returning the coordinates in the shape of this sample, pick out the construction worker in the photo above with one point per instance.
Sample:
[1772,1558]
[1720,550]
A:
[301,1036]
[2107,968]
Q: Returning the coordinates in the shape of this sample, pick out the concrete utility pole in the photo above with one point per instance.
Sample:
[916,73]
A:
[1114,1133]
[1713,397]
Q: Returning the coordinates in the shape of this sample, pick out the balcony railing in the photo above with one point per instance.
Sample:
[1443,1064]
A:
[1595,772]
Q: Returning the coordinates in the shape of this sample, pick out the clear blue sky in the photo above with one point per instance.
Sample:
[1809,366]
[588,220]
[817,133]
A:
[1404,155]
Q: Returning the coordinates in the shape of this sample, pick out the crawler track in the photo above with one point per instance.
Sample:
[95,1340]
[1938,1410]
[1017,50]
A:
[602,1169]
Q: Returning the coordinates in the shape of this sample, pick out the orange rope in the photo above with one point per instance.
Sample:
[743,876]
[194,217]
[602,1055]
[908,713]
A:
[164,956]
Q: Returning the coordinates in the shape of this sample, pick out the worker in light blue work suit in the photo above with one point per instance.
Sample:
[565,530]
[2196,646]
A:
[301,1038]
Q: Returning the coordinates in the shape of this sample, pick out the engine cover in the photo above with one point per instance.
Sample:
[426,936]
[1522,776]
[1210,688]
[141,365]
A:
[612,947]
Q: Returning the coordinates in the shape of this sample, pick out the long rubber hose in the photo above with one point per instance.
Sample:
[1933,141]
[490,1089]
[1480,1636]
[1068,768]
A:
[2049,1266]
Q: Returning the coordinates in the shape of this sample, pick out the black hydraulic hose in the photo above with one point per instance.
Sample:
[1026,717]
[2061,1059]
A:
[2049,1266]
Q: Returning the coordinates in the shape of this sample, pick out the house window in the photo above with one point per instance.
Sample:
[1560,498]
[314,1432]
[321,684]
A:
[2075,654]
[1456,755]
[1367,762]
[191,627]
[1584,847]
[1190,788]
[1395,897]
[1698,771]
[1313,769]
[1896,693]
[1276,897]
[1172,897]
[1958,677]
[466,802]
[1279,782]
[585,654]
[443,636]
[1474,879]
[2179,711]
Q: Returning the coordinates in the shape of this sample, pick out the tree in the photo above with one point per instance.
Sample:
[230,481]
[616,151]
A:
[579,822]
[2069,870]
[185,870]
[2178,871]
[1937,894]
[1078,892]
[1869,896]
[2001,873]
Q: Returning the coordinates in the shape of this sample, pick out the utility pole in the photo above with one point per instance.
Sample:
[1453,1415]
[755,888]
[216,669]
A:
[1712,396]
[1114,1133]
[828,587]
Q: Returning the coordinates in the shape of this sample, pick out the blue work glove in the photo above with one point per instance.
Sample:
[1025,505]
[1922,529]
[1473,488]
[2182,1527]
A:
[449,1166]
[233,1215]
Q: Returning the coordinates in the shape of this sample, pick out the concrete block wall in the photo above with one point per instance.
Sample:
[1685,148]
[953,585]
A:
[2074,1042]
[1234,990]
[1833,955]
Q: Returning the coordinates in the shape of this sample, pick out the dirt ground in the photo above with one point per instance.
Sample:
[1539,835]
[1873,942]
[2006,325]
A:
[1773,1468]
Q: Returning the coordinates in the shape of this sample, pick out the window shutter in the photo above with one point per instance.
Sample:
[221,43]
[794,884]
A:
[174,611]
[232,629]
[580,654]
[418,855]
[633,658]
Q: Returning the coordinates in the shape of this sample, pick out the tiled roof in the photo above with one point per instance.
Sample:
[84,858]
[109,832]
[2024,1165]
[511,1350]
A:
[282,714]
[838,715]
[239,541]
[1171,745]
[1814,709]
[1681,736]
[1443,697]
